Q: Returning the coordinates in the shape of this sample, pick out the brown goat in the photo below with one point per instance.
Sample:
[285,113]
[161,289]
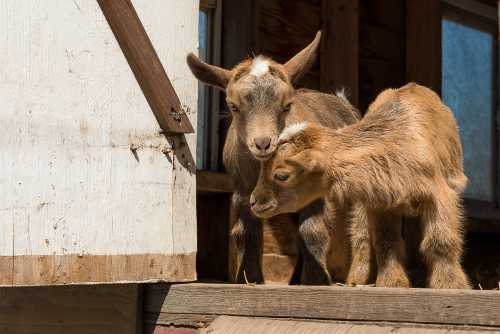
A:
[403,158]
[262,99]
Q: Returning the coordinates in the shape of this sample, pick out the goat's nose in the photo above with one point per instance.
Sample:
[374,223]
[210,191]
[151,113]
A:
[263,143]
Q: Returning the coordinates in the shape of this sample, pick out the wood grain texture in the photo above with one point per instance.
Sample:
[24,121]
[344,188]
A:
[179,319]
[382,47]
[203,321]
[84,170]
[213,182]
[423,42]
[299,21]
[70,309]
[146,65]
[229,325]
[340,47]
[465,307]
[70,269]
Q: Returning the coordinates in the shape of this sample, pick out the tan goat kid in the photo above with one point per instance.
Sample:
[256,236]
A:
[403,158]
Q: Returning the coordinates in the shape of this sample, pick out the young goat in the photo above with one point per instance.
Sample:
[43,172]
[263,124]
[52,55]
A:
[263,101]
[403,158]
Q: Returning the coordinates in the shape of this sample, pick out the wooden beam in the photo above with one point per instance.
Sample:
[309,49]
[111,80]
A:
[340,47]
[146,66]
[213,182]
[454,307]
[475,7]
[423,42]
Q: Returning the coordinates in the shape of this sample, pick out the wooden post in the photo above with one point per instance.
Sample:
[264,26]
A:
[423,42]
[340,47]
[147,68]
[423,65]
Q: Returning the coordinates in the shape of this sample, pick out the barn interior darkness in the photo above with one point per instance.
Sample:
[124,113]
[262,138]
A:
[369,45]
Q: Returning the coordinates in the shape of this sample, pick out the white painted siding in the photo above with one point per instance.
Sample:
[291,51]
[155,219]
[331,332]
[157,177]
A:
[70,109]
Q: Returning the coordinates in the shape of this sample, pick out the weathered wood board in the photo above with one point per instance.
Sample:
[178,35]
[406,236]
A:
[227,325]
[90,189]
[71,309]
[429,306]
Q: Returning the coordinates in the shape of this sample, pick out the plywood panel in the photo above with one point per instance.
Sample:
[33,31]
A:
[84,169]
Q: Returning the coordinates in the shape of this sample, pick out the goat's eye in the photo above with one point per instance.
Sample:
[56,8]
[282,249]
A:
[281,176]
[287,107]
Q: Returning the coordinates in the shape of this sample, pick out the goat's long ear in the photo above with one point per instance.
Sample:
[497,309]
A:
[210,74]
[302,61]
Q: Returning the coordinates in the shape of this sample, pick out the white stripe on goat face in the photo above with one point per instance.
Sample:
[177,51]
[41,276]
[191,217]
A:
[260,66]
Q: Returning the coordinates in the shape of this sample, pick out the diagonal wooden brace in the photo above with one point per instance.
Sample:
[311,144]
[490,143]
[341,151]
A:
[146,66]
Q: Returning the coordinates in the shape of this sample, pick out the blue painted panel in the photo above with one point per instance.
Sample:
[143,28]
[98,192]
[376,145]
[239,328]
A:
[201,115]
[467,88]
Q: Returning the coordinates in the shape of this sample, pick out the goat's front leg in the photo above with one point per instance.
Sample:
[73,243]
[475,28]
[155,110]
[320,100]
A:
[314,244]
[247,234]
[389,248]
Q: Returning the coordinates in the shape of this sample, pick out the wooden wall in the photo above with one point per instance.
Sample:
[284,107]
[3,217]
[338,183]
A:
[382,43]
[91,191]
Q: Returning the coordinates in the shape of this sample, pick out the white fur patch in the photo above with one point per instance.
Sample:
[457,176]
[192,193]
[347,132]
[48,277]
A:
[291,131]
[260,66]
[341,94]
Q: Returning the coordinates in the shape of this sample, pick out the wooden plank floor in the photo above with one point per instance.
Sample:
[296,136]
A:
[230,325]
[190,304]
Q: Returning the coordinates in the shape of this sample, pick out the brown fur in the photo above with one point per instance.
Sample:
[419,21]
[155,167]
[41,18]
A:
[403,158]
[262,105]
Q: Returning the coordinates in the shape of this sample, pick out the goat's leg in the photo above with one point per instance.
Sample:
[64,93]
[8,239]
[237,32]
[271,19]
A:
[362,261]
[442,242]
[389,249]
[314,244]
[247,233]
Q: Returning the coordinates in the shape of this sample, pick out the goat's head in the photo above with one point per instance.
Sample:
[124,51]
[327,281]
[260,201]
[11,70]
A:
[293,177]
[259,93]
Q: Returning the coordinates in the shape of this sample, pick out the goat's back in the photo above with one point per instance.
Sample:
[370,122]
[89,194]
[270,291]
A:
[332,111]
[423,126]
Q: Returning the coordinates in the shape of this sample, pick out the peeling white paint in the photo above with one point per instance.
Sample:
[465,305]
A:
[70,112]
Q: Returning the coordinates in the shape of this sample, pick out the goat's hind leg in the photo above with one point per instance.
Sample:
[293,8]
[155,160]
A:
[442,241]
[314,244]
[362,260]
[389,248]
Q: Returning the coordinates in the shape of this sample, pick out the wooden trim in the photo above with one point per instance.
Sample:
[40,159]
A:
[213,182]
[423,42]
[36,270]
[340,47]
[146,66]
[475,7]
[454,307]
[215,94]
[208,4]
